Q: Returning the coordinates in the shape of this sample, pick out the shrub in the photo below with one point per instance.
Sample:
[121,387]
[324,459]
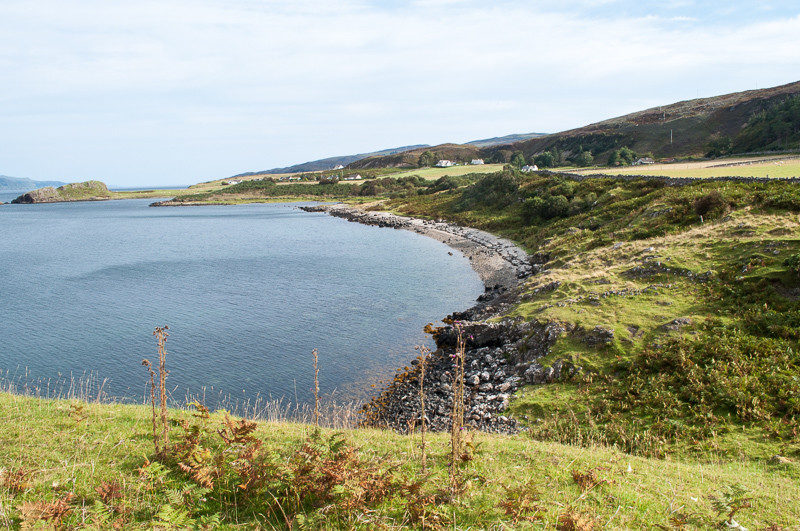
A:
[532,209]
[793,264]
[556,206]
[448,182]
[495,190]
[711,205]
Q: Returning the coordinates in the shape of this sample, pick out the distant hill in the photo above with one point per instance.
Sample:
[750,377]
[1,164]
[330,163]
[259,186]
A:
[750,121]
[330,162]
[502,140]
[394,154]
[17,184]
[682,129]
[410,159]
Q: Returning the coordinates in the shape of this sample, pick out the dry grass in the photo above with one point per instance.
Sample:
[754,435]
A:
[775,167]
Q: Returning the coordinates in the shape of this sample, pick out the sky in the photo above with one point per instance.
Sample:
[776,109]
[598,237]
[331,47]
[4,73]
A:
[169,92]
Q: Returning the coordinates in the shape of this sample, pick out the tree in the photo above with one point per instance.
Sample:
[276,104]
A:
[584,158]
[627,155]
[622,156]
[544,160]
[719,147]
[427,158]
[557,156]
[518,159]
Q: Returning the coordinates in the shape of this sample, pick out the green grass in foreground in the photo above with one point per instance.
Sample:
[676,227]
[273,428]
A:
[78,453]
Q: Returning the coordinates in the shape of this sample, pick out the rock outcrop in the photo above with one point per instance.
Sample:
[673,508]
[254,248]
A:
[498,359]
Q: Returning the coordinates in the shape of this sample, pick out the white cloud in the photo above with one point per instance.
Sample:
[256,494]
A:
[263,77]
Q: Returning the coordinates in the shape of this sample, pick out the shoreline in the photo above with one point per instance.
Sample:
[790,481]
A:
[501,354]
[499,263]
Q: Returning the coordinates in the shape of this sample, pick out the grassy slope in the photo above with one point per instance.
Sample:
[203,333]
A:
[588,283]
[69,452]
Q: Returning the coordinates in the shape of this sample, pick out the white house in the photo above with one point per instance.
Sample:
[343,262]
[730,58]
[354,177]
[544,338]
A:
[226,183]
[338,167]
[444,163]
[644,160]
[476,162]
[529,168]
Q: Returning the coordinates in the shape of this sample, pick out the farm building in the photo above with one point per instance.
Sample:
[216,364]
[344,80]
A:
[444,164]
[529,168]
[644,160]
[338,167]
[476,162]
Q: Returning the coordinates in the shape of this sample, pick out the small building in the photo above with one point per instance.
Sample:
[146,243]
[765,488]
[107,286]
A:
[294,178]
[227,183]
[444,163]
[476,162]
[529,168]
[338,167]
[644,160]
[356,177]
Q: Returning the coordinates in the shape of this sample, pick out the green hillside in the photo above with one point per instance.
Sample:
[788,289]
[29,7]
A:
[692,289]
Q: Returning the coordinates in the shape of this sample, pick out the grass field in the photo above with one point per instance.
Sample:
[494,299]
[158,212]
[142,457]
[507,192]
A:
[90,464]
[454,171]
[748,167]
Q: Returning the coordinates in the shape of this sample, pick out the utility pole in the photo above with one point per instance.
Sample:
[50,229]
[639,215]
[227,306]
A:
[670,136]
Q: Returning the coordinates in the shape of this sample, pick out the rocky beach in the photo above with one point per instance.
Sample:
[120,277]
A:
[500,356]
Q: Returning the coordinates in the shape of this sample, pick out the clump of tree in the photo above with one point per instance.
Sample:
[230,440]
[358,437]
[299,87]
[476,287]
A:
[392,187]
[556,199]
[448,182]
[518,159]
[583,158]
[545,159]
[719,146]
[776,128]
[623,156]
[495,190]
[428,158]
